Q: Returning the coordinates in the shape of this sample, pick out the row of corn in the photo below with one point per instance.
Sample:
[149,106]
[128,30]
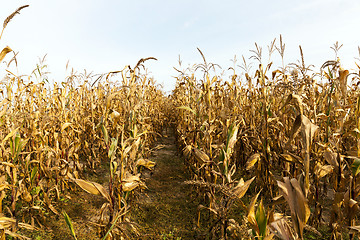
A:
[280,146]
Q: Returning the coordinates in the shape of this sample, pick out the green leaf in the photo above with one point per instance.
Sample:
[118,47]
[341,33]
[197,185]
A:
[261,219]
[111,228]
[112,149]
[355,167]
[106,135]
[33,174]
[69,223]
[222,155]
[231,137]
[20,146]
[17,140]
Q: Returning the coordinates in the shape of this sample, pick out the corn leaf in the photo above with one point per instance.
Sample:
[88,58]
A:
[5,51]
[93,188]
[69,224]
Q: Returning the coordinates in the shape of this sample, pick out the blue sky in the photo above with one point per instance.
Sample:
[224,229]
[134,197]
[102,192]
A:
[102,36]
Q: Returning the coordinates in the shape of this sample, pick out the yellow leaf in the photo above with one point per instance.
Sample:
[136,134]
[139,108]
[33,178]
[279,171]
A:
[130,182]
[6,222]
[64,126]
[5,51]
[146,163]
[200,155]
[26,196]
[93,188]
[251,210]
[322,170]
[12,133]
[129,186]
[240,190]
[252,160]
[292,158]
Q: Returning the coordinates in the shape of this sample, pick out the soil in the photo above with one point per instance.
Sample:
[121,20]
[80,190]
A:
[166,210]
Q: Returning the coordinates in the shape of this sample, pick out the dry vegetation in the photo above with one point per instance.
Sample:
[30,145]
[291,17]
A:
[288,139]
[272,153]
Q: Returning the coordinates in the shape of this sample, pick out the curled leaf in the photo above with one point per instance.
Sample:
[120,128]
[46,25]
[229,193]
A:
[64,126]
[146,163]
[201,156]
[322,170]
[130,182]
[252,160]
[5,51]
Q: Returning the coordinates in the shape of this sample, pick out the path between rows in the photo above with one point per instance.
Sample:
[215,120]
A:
[166,210]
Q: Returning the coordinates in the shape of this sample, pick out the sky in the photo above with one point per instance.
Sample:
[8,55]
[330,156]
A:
[103,36]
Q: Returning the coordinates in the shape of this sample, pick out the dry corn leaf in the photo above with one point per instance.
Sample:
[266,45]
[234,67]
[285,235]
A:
[308,130]
[292,158]
[294,130]
[201,156]
[251,210]
[242,187]
[49,204]
[232,137]
[8,164]
[64,126]
[109,98]
[129,186]
[11,134]
[294,195]
[130,182]
[298,101]
[146,163]
[252,160]
[93,188]
[5,51]
[3,111]
[115,116]
[322,170]
[6,222]
[26,195]
[187,150]
[27,226]
[282,229]
[357,228]
[16,235]
[343,74]
[188,109]
[331,158]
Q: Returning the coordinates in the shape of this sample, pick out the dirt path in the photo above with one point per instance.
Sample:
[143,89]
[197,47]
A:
[165,210]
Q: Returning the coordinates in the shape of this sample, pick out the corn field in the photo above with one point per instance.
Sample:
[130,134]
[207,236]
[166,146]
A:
[273,153]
